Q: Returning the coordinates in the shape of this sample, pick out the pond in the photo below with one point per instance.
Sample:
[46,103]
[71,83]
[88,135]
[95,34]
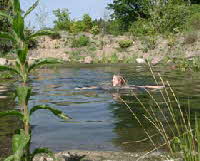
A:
[100,120]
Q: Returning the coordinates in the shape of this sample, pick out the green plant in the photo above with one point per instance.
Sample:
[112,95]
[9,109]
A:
[20,40]
[125,43]
[95,30]
[149,43]
[87,21]
[80,41]
[114,58]
[63,21]
[142,27]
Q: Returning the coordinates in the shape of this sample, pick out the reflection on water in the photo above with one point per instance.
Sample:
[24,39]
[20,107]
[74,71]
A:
[100,120]
[8,124]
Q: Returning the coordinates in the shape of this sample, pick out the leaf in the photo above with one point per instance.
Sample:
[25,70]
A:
[4,14]
[41,62]
[16,6]
[41,33]
[12,113]
[56,112]
[23,93]
[10,69]
[22,55]
[31,8]
[42,151]
[18,26]
[8,36]
[10,158]
[19,144]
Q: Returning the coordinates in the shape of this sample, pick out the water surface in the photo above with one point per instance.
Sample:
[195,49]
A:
[100,120]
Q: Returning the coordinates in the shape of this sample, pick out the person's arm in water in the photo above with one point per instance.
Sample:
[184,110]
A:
[151,87]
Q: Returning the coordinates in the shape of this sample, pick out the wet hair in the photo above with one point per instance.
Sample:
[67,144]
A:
[122,80]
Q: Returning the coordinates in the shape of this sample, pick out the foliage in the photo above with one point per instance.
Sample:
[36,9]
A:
[184,64]
[20,40]
[142,27]
[63,20]
[169,18]
[125,43]
[80,41]
[95,30]
[149,42]
[113,27]
[128,11]
[193,23]
[77,26]
[87,22]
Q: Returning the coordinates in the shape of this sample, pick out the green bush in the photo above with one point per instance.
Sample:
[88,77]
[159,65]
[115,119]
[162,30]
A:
[95,30]
[125,43]
[170,18]
[77,26]
[80,41]
[142,27]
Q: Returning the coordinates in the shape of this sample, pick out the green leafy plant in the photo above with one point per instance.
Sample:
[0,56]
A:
[95,30]
[20,40]
[125,43]
[80,41]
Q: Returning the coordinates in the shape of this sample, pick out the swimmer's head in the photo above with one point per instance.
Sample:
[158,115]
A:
[118,80]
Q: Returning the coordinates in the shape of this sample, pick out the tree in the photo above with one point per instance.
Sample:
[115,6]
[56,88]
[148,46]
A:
[128,11]
[87,21]
[63,19]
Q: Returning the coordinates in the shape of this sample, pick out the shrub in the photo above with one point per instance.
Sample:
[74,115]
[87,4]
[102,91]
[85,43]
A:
[149,43]
[80,42]
[77,26]
[95,30]
[170,18]
[125,43]
[142,27]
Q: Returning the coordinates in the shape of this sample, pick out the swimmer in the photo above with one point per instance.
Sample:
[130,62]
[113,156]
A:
[119,82]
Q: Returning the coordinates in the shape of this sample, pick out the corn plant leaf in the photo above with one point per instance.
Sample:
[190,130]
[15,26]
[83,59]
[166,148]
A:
[18,26]
[22,55]
[16,6]
[42,151]
[41,62]
[23,93]
[31,8]
[55,111]
[4,14]
[8,36]
[19,143]
[8,68]
[10,158]
[41,33]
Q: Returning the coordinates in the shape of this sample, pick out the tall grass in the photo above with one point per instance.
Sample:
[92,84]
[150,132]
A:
[171,123]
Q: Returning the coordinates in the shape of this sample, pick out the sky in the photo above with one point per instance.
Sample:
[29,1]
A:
[95,8]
